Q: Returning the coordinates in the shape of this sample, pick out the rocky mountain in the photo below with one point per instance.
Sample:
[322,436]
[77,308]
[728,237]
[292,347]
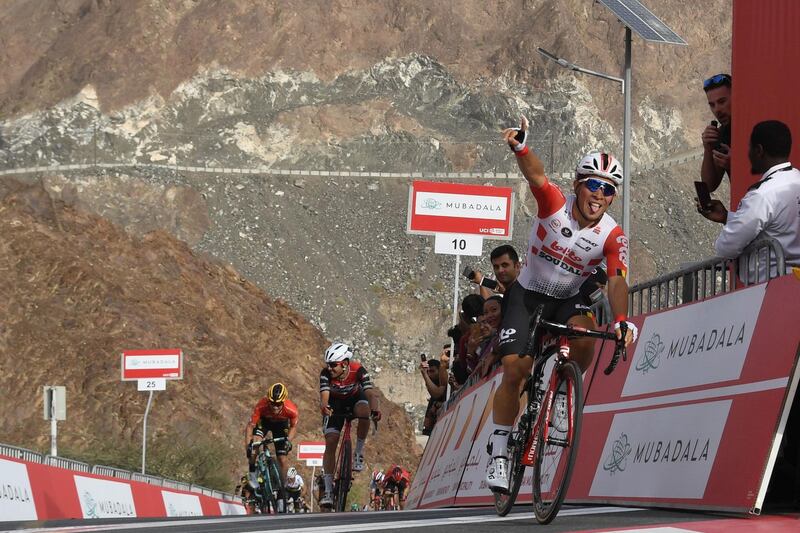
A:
[77,290]
[339,87]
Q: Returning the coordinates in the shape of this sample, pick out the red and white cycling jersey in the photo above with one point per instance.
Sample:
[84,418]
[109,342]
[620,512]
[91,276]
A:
[560,254]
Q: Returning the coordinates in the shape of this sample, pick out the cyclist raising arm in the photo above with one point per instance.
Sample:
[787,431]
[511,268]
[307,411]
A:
[344,387]
[570,237]
[274,413]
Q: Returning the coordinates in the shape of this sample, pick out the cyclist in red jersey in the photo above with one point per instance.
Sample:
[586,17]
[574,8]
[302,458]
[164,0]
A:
[344,387]
[397,481]
[570,237]
[277,414]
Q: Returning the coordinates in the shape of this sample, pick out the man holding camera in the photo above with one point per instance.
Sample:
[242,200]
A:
[506,267]
[717,135]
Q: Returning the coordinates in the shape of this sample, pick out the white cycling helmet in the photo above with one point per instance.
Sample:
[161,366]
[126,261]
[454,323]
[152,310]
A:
[338,351]
[379,477]
[292,472]
[600,164]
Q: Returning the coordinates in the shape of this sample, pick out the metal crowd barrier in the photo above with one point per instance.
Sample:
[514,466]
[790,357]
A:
[761,261]
[69,464]
[21,453]
[110,471]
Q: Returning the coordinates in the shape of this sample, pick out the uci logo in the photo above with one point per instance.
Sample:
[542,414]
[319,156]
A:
[506,334]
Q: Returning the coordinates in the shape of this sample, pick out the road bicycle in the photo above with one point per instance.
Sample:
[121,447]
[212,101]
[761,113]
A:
[270,493]
[547,432]
[343,472]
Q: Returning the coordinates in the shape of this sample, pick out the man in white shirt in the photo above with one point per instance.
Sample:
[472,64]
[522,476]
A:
[771,207]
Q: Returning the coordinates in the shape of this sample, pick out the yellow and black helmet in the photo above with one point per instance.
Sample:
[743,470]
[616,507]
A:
[277,393]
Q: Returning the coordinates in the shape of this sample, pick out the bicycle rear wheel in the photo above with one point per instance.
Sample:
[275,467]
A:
[557,439]
[345,476]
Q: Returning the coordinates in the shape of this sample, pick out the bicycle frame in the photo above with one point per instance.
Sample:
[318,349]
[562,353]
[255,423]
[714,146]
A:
[542,417]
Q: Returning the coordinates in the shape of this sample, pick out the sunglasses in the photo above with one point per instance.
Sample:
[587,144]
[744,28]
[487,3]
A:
[334,365]
[276,405]
[719,79]
[593,184]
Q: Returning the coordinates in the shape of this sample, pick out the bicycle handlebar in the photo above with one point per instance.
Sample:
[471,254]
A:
[577,331]
[265,442]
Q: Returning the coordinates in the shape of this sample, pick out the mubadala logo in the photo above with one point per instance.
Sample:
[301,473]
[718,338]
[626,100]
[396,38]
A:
[617,460]
[96,509]
[651,356]
[431,203]
[14,493]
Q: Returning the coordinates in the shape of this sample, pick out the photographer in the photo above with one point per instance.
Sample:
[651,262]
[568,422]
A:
[506,267]
[431,374]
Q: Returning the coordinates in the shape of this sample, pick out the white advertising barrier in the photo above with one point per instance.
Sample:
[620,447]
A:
[179,504]
[100,498]
[435,483]
[696,417]
[231,509]
[16,497]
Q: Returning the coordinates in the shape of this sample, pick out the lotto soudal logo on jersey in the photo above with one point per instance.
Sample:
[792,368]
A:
[506,334]
[695,345]
[666,452]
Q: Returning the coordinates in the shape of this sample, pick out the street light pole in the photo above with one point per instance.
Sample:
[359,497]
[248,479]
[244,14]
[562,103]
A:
[625,84]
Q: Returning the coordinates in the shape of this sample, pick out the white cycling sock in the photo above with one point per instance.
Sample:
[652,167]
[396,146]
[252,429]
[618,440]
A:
[360,446]
[328,478]
[498,441]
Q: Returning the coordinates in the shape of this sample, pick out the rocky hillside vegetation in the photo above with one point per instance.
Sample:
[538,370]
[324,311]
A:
[77,290]
[400,86]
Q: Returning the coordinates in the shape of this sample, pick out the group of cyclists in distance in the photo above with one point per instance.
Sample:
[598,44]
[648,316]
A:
[346,392]
[570,236]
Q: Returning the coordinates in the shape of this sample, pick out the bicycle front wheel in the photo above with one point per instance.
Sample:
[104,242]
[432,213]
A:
[345,476]
[557,439]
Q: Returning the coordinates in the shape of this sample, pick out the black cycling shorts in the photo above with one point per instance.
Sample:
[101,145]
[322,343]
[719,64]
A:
[342,409]
[519,304]
[399,488]
[278,428]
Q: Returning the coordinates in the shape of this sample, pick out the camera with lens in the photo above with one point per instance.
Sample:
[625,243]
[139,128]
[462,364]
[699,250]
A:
[469,273]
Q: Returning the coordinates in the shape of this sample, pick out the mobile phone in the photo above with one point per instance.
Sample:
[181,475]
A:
[488,283]
[469,273]
[521,135]
[703,196]
[423,357]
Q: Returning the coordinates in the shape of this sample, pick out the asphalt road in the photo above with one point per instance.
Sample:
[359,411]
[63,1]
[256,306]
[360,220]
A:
[570,519]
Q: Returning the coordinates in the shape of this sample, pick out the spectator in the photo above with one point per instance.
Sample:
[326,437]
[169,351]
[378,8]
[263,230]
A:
[771,206]
[717,140]
[471,309]
[506,266]
[480,348]
[436,388]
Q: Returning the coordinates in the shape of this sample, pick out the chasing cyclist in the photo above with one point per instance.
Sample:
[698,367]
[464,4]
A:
[395,483]
[375,487]
[277,414]
[570,237]
[294,490]
[345,389]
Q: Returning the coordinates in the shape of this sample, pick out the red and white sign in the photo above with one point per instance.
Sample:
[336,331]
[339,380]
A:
[152,364]
[677,425]
[311,449]
[435,207]
[16,496]
[691,420]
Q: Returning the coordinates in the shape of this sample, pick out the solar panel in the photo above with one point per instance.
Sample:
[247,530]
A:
[642,21]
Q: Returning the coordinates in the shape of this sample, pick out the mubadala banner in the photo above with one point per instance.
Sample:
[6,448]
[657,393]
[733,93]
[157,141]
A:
[179,504]
[695,345]
[661,453]
[101,498]
[16,497]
